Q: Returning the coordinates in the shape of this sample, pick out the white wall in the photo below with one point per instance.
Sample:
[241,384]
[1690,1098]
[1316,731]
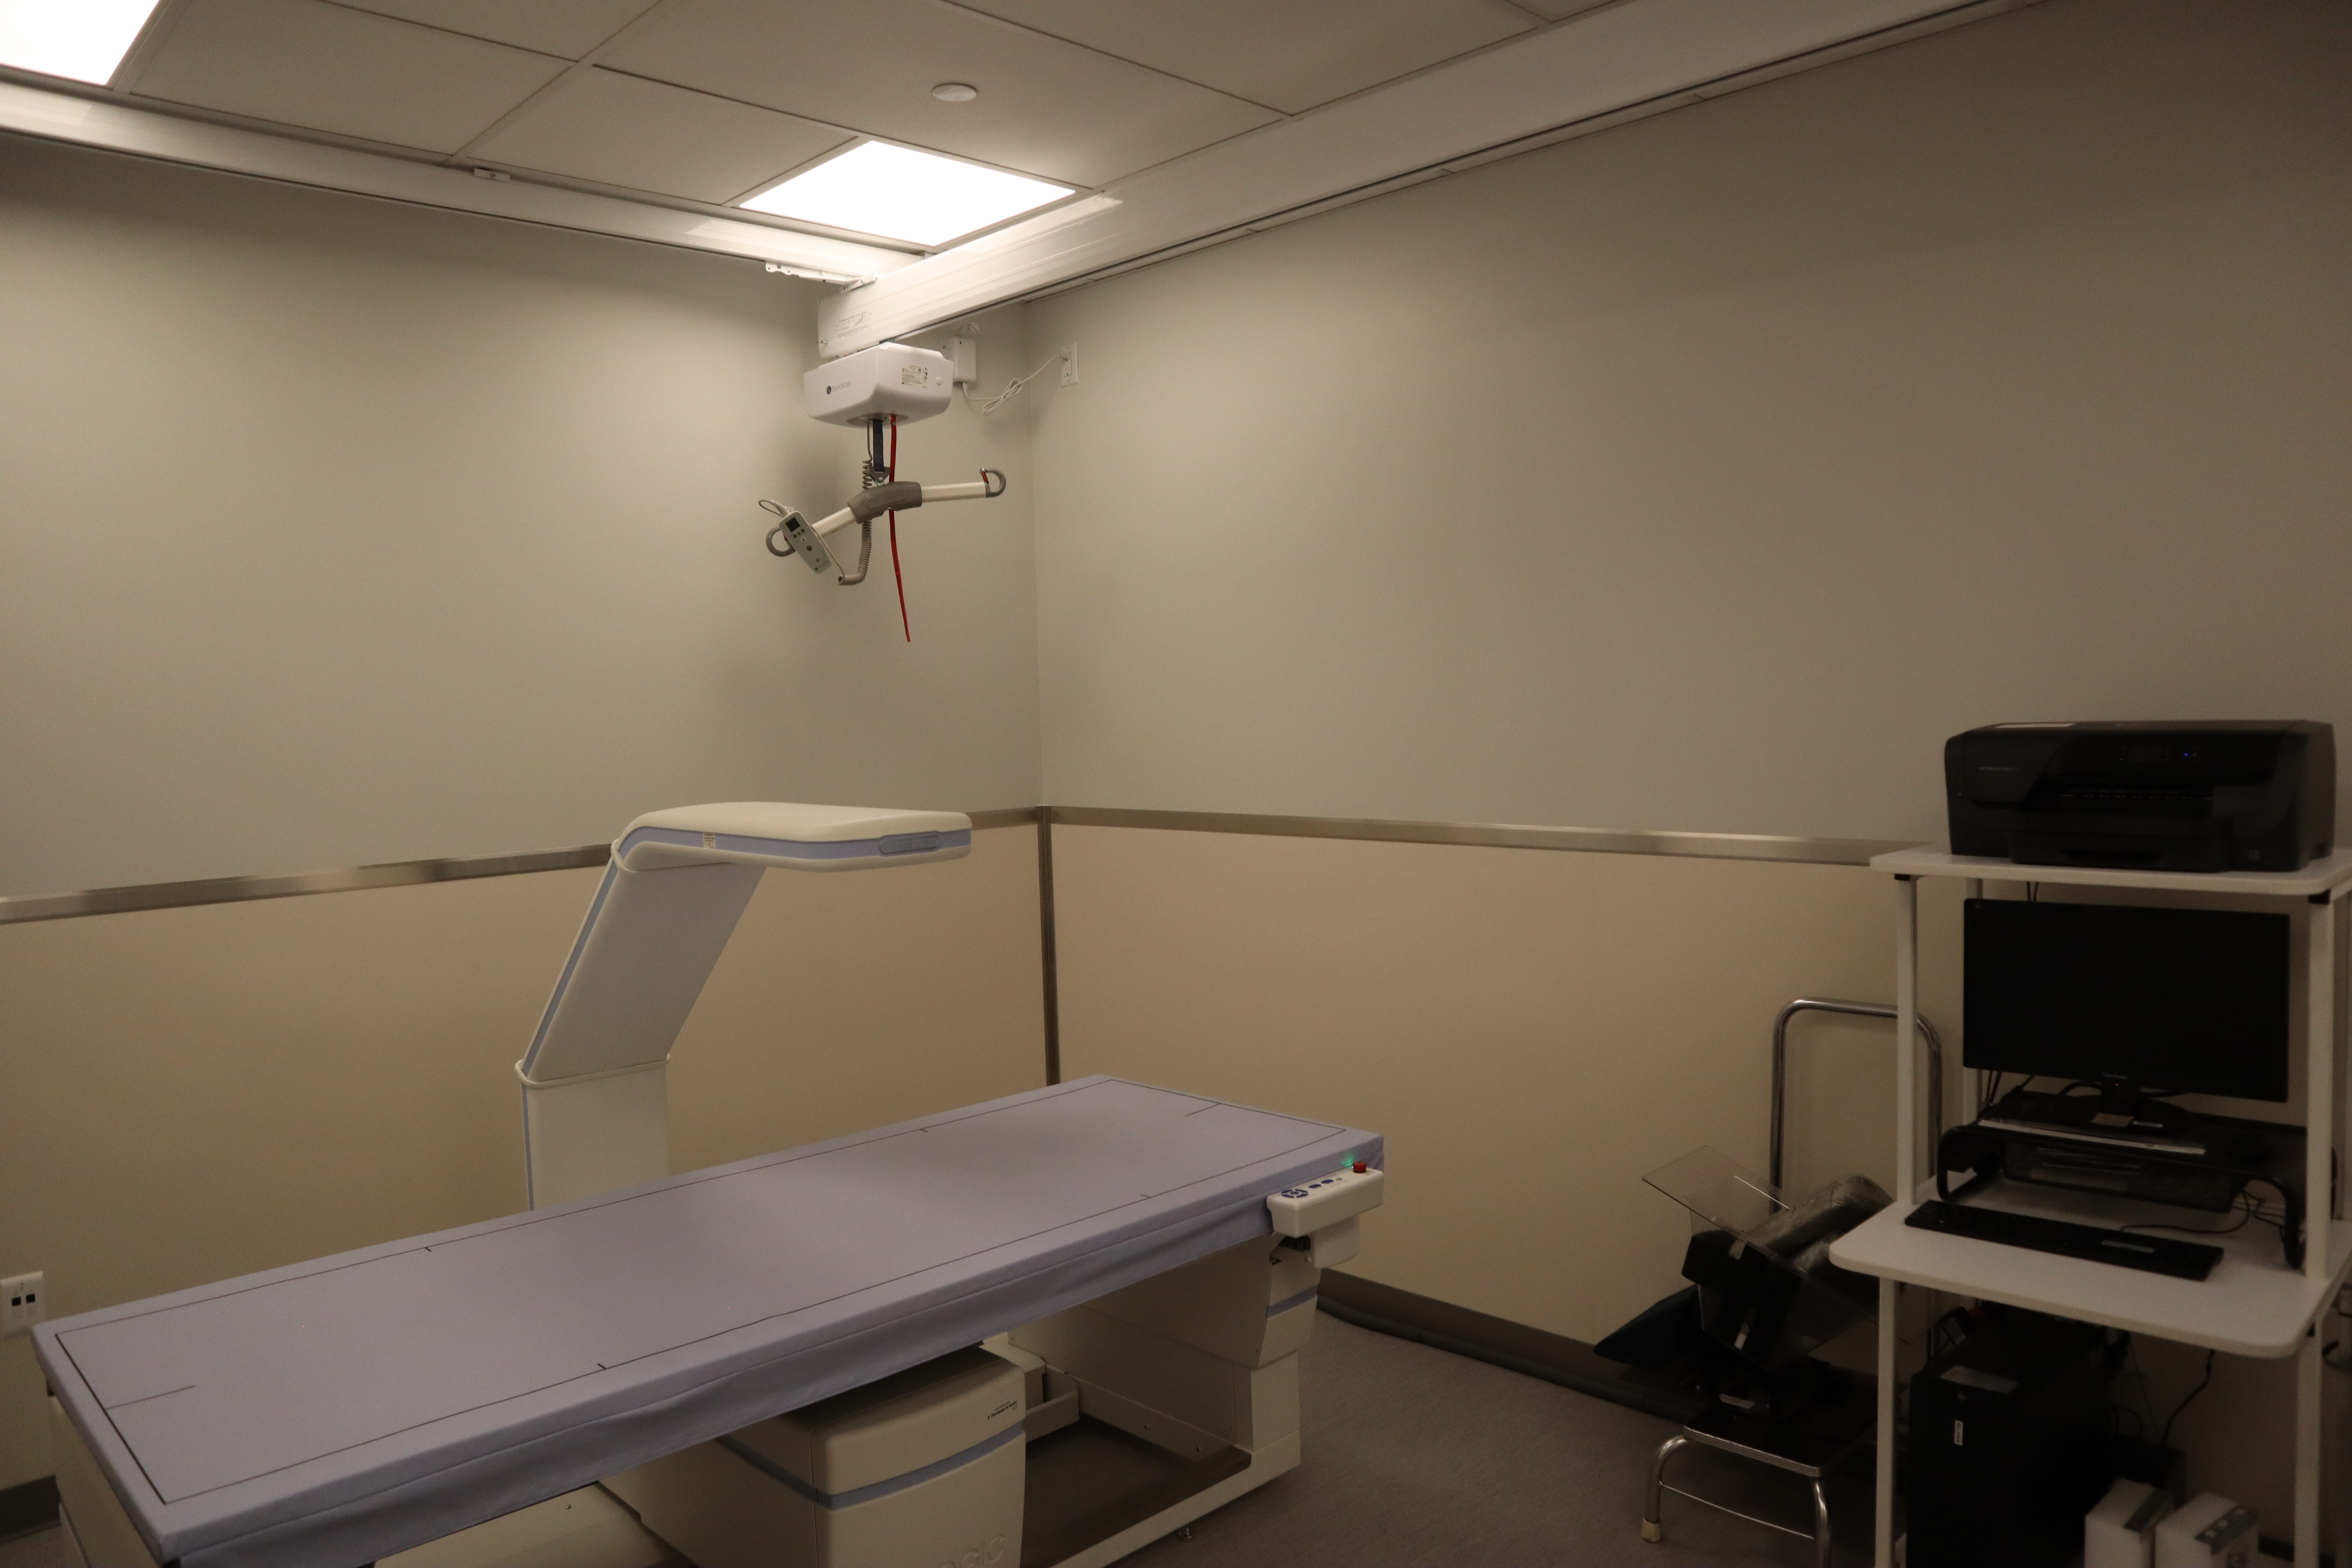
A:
[1707,472]
[333,531]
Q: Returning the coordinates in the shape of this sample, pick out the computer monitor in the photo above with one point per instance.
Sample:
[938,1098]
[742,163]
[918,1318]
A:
[2134,999]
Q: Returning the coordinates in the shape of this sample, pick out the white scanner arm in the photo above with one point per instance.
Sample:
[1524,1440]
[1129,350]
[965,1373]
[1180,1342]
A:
[596,1106]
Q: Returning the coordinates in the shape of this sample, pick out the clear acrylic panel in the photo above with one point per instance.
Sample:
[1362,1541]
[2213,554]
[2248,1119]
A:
[1720,1193]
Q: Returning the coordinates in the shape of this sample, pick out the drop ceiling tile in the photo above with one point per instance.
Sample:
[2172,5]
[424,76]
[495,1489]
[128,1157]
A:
[323,68]
[1290,54]
[566,27]
[1553,10]
[1045,107]
[625,130]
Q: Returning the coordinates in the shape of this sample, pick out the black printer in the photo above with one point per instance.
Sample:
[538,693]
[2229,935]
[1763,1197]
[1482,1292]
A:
[2211,794]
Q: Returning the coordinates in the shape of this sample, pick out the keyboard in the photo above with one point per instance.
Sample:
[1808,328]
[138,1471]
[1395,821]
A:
[2154,1253]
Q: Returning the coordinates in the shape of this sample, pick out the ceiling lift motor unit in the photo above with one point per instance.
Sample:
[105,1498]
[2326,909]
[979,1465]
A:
[888,380]
[881,388]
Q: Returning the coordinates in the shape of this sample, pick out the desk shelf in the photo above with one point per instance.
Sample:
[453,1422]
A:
[2322,876]
[2250,1305]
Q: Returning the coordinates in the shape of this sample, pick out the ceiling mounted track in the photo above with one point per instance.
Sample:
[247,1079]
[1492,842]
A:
[118,127]
[1596,69]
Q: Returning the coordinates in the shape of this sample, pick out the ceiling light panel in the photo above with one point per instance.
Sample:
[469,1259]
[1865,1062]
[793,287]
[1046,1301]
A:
[82,40]
[1291,56]
[327,67]
[566,27]
[900,194]
[1045,107]
[624,130]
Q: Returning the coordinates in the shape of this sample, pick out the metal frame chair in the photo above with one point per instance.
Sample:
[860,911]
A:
[1812,1469]
[1718,1430]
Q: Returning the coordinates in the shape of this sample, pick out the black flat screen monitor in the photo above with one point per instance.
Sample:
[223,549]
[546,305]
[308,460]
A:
[2191,1001]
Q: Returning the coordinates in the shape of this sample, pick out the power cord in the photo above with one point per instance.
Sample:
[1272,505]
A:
[2165,1441]
[1012,388]
[2246,1212]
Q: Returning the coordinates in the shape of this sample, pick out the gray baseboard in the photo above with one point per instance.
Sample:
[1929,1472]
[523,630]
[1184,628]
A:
[1555,1358]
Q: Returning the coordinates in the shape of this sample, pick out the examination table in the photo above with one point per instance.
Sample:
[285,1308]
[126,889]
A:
[651,1333]
[338,1411]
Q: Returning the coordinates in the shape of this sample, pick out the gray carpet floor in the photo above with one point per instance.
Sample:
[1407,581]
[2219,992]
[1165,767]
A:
[1416,1459]
[1419,1458]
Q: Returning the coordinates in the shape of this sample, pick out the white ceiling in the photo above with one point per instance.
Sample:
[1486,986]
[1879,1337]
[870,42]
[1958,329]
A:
[328,68]
[1288,56]
[1045,107]
[710,101]
[597,124]
[567,27]
[1184,122]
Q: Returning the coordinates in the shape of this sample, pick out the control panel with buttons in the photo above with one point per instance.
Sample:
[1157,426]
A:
[1326,1201]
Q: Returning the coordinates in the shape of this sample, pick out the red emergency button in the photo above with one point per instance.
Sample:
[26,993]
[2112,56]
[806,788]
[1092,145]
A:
[1360,1167]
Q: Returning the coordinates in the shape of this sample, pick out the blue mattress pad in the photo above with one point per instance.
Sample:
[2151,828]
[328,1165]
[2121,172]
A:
[331,1413]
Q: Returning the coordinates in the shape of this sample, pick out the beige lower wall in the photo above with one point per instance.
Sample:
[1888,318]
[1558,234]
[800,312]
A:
[1532,1031]
[191,1094]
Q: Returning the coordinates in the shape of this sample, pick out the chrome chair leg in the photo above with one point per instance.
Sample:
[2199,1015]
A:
[1652,1530]
[1821,1527]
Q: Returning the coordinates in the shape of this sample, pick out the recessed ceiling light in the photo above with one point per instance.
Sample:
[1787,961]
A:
[900,194]
[82,40]
[955,92]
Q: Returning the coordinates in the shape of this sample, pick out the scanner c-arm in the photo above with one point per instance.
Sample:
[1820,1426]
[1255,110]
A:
[594,1084]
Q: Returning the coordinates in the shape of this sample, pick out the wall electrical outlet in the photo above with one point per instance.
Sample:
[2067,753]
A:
[24,1302]
[1069,365]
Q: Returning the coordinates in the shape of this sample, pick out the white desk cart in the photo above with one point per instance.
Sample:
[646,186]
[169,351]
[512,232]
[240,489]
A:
[2250,1305]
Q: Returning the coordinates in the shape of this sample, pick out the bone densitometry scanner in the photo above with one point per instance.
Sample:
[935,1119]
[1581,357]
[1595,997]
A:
[833,1354]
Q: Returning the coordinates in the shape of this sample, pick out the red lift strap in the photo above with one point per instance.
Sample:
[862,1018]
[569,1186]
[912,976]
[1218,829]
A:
[897,575]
